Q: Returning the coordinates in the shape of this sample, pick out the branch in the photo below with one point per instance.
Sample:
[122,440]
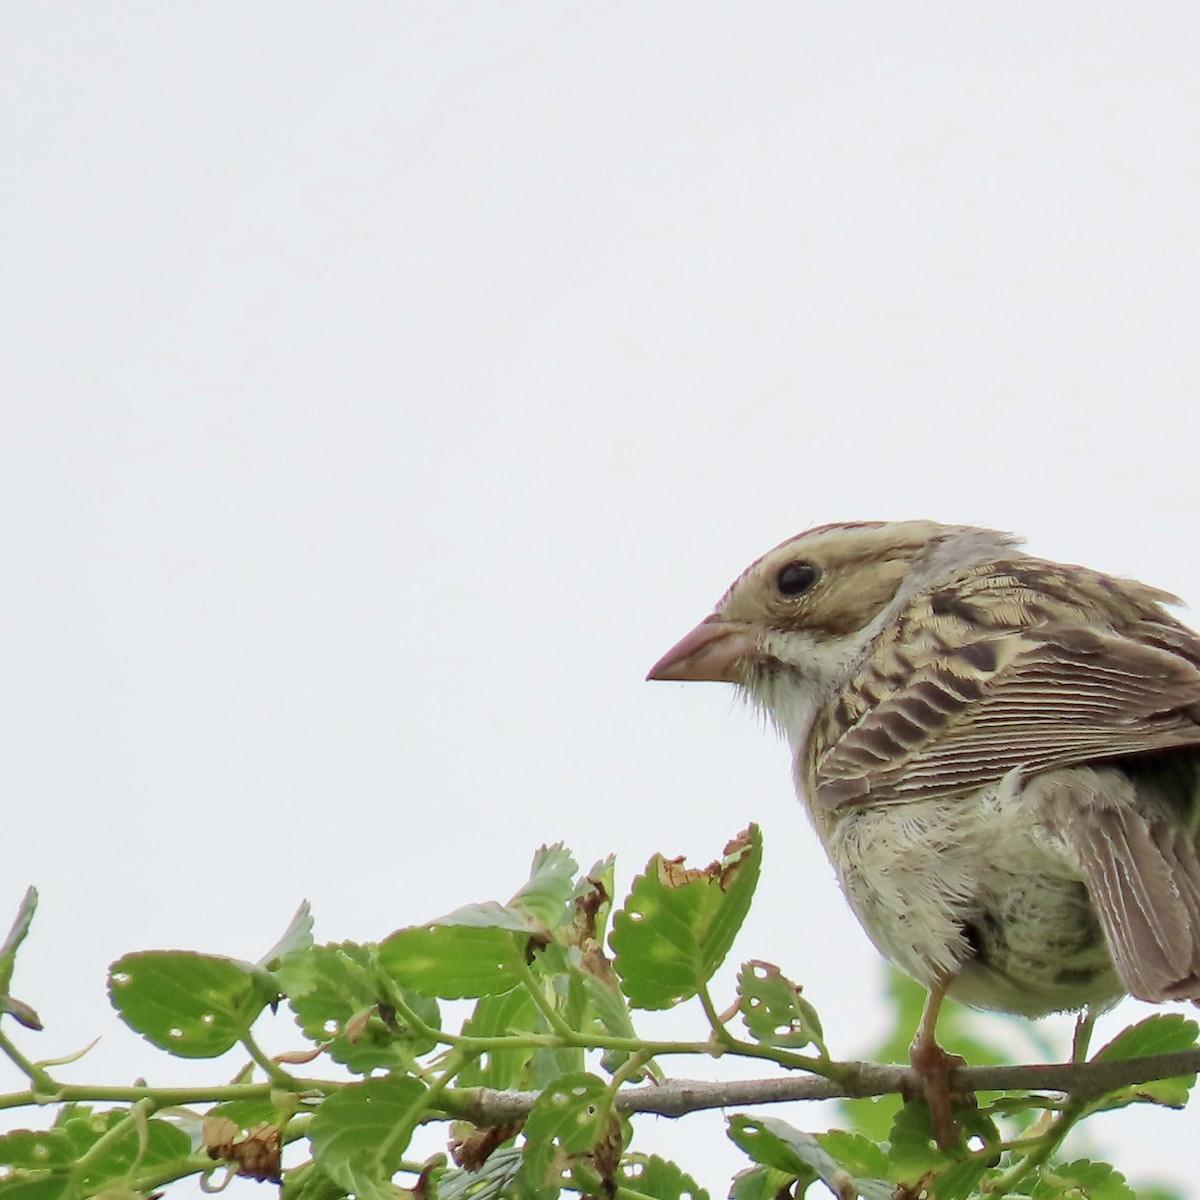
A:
[677,1097]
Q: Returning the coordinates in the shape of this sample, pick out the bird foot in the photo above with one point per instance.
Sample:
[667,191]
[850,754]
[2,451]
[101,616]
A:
[936,1067]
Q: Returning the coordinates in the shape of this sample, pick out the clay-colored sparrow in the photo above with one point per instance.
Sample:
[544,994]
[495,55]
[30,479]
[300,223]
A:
[1000,755]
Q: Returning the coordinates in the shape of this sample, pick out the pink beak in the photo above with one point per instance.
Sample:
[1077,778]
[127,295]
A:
[714,650]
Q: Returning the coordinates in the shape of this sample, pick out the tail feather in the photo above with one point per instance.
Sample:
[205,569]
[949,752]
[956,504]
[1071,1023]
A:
[1142,872]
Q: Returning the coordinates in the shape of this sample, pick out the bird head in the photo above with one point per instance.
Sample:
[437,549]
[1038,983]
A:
[794,623]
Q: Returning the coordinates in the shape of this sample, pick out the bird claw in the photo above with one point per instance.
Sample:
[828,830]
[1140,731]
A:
[936,1068]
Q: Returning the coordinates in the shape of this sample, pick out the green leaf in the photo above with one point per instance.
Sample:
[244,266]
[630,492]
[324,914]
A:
[551,884]
[309,1182]
[245,1114]
[36,1149]
[773,1009]
[296,938]
[776,1144]
[858,1154]
[960,1180]
[912,1151]
[40,1186]
[497,1017]
[678,925]
[1162,1033]
[537,909]
[1082,1180]
[85,1128]
[340,1006]
[359,1134]
[453,962]
[157,1144]
[18,1009]
[490,1182]
[490,914]
[649,1175]
[761,1183]
[194,1005]
[567,1120]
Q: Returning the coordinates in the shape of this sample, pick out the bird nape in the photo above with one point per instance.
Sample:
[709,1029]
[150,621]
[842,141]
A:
[999,754]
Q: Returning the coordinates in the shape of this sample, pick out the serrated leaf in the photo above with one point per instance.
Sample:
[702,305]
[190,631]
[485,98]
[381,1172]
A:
[776,1144]
[85,1128]
[18,1009]
[194,1005]
[245,1114]
[359,1134]
[649,1175]
[1162,1033]
[340,1006]
[499,1016]
[858,1154]
[157,1144]
[678,924]
[490,914]
[538,908]
[551,884]
[773,1010]
[490,1182]
[453,961]
[308,1182]
[296,938]
[1082,1180]
[760,1183]
[569,1118]
[958,1181]
[36,1149]
[911,1148]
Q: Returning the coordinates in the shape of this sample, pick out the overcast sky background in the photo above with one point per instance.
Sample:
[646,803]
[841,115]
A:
[386,386]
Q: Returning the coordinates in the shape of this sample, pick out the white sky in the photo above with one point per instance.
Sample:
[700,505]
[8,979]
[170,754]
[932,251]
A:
[386,386]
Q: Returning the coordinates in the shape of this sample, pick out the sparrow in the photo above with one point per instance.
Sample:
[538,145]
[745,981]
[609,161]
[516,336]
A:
[999,754]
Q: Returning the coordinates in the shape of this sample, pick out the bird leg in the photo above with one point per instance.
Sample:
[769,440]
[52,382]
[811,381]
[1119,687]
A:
[935,1066]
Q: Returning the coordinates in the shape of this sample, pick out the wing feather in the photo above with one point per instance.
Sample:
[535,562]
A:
[1029,700]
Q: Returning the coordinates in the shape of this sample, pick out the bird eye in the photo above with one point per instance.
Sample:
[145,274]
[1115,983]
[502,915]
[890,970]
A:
[796,578]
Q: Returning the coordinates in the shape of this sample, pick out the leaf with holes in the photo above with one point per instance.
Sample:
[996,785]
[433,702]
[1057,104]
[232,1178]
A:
[359,1134]
[194,1005]
[651,1176]
[567,1120]
[340,1005]
[678,924]
[454,961]
[36,1149]
[774,1011]
[912,1151]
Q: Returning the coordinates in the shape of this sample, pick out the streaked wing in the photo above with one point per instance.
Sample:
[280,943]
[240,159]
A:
[1028,700]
